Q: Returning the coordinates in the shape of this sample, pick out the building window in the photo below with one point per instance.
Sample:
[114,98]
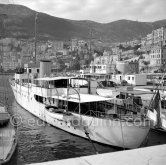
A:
[30,70]
[128,78]
[37,70]
[132,78]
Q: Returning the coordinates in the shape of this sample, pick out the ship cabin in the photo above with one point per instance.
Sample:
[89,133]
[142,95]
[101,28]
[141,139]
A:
[64,96]
[61,82]
[72,100]
[25,74]
[88,105]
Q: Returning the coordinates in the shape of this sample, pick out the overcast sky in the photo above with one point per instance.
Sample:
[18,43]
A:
[103,11]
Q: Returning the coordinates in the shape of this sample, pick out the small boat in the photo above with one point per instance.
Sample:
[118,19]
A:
[4,116]
[8,136]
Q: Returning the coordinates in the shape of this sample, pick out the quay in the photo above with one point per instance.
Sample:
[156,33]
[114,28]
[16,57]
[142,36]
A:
[148,155]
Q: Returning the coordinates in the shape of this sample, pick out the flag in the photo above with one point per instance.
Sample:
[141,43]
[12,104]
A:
[156,102]
[156,106]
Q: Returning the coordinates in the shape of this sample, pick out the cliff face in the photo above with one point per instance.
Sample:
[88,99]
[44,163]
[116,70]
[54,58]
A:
[19,22]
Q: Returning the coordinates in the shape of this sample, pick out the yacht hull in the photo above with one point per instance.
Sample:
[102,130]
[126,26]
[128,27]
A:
[123,134]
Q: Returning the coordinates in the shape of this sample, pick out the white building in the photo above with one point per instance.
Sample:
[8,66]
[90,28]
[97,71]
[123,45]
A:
[136,79]
[132,79]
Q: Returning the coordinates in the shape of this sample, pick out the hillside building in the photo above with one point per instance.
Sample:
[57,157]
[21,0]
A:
[158,56]
[103,64]
[159,36]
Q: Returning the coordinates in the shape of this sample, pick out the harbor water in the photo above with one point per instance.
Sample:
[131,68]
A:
[39,142]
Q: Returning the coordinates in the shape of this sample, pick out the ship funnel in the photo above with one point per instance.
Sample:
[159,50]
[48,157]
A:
[45,68]
[122,66]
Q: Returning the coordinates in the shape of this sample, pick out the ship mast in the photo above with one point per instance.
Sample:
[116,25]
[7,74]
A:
[90,46]
[36,17]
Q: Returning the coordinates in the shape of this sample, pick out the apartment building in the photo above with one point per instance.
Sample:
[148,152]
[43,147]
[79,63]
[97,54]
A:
[103,64]
[157,56]
[159,36]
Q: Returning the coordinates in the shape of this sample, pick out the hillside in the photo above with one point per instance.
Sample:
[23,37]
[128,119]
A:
[19,22]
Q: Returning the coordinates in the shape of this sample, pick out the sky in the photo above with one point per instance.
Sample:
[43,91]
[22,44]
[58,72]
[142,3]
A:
[102,11]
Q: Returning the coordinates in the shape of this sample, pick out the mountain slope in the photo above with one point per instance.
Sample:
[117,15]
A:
[20,23]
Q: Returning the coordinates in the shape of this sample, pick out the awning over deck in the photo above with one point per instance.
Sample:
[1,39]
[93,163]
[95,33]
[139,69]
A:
[84,98]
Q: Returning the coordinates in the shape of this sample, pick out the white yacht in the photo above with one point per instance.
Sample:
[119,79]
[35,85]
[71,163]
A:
[56,101]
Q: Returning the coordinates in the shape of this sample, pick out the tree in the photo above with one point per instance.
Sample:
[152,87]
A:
[146,63]
[62,64]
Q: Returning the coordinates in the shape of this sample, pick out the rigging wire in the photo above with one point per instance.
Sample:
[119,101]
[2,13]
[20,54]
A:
[115,107]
